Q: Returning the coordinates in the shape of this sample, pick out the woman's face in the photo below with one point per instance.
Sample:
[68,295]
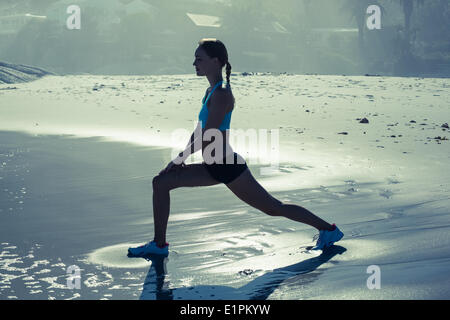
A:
[203,63]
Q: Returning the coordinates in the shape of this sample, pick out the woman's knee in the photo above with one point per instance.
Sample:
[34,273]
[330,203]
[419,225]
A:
[155,181]
[161,182]
[275,208]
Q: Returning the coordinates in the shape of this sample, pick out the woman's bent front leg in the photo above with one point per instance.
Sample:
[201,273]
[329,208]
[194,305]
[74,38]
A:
[192,175]
[161,208]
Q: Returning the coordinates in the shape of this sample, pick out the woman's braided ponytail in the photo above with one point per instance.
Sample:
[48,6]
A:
[228,71]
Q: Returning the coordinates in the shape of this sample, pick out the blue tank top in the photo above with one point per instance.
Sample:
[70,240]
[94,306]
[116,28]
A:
[203,115]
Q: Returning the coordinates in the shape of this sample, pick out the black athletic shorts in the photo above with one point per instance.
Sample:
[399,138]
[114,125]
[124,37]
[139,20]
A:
[227,172]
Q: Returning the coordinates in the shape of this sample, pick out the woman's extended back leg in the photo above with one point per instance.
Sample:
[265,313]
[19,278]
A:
[246,188]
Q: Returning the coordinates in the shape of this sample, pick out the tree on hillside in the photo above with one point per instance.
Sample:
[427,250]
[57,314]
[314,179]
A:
[408,8]
[357,10]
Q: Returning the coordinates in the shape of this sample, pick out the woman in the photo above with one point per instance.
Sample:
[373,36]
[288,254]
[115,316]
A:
[210,58]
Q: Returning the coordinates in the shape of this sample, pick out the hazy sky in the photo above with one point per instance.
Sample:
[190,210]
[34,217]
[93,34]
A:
[158,36]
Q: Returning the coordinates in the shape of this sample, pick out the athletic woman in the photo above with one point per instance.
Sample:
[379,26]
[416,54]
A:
[231,169]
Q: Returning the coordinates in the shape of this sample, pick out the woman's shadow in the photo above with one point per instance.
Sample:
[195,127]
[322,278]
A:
[259,288]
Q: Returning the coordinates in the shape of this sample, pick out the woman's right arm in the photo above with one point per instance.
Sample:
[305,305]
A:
[192,146]
[197,131]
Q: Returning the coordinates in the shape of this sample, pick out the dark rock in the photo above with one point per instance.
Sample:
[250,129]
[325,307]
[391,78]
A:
[246,272]
[364,120]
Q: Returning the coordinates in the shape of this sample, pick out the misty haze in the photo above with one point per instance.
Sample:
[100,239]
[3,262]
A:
[159,36]
[340,107]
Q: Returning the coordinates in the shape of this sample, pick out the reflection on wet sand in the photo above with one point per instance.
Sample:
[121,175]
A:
[156,286]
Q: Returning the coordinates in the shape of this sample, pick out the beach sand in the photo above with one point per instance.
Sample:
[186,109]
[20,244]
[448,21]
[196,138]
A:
[78,154]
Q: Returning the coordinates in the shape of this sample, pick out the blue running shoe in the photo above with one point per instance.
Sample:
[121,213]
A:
[147,249]
[328,238]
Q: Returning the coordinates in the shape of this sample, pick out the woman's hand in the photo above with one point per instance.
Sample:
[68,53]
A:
[172,166]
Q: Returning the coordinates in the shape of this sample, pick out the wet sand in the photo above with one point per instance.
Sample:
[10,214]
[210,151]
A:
[75,188]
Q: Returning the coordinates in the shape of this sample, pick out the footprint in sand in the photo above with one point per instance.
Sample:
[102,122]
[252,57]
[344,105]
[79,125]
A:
[392,181]
[386,193]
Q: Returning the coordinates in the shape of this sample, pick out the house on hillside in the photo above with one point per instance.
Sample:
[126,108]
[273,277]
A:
[251,43]
[203,20]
